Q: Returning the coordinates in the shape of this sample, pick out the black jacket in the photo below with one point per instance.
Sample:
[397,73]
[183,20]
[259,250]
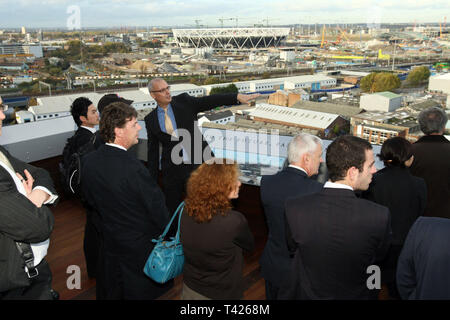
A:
[131,209]
[424,264]
[338,237]
[404,194]
[432,163]
[275,189]
[20,220]
[213,254]
[185,109]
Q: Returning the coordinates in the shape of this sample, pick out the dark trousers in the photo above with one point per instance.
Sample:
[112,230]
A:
[122,280]
[39,288]
[389,268]
[271,291]
[91,243]
[174,184]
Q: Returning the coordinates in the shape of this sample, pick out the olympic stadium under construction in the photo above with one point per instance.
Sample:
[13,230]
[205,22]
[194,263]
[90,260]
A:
[227,38]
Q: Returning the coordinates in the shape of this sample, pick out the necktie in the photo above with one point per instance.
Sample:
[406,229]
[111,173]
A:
[5,160]
[168,123]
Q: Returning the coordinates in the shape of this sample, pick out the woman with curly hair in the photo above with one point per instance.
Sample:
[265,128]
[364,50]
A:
[213,235]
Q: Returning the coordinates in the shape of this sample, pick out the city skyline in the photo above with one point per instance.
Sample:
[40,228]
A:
[72,15]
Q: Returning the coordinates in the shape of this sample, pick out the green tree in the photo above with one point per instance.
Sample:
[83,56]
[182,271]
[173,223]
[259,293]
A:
[418,75]
[211,80]
[231,88]
[379,82]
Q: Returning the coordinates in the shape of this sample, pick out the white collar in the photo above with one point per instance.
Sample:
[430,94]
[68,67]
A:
[299,168]
[116,146]
[88,128]
[333,185]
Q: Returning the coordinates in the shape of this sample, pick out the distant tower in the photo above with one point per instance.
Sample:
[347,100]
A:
[41,35]
[24,31]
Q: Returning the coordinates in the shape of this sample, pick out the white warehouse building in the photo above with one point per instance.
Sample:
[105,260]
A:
[381,101]
[313,82]
[440,83]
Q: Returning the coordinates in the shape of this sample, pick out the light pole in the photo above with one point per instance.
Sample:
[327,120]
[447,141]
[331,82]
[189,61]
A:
[393,58]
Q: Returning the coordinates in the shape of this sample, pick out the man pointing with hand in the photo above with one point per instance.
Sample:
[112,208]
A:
[173,125]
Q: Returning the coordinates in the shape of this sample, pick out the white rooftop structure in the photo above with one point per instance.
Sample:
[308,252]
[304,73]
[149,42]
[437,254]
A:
[230,37]
[354,73]
[315,81]
[299,117]
[59,106]
[440,83]
[176,89]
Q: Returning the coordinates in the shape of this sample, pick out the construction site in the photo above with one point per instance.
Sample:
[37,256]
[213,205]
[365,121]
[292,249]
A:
[201,55]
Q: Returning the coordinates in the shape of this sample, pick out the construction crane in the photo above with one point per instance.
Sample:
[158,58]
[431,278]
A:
[197,23]
[226,19]
[323,37]
[267,20]
[343,33]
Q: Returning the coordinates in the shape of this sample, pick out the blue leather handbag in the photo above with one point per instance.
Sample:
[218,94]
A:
[167,258]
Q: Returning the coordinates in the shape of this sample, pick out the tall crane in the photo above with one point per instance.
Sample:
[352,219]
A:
[226,19]
[197,23]
[267,20]
[323,37]
[343,33]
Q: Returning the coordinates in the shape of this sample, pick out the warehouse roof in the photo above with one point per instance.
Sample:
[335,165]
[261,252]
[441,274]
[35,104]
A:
[300,117]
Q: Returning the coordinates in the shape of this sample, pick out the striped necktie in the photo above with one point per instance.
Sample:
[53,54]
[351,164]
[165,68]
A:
[5,160]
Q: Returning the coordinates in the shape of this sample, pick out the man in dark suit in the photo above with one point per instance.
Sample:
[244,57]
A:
[337,236]
[424,262]
[304,157]
[24,220]
[432,161]
[173,125]
[130,206]
[86,117]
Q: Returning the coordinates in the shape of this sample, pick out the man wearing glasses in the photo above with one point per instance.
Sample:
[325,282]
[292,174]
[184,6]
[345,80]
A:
[25,227]
[173,125]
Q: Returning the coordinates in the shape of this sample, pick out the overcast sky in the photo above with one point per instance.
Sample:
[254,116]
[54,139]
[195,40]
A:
[184,13]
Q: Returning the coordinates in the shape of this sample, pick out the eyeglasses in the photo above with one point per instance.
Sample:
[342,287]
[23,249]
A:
[3,107]
[162,90]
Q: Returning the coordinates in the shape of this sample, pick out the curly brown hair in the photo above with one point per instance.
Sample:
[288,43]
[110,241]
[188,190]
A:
[114,116]
[208,189]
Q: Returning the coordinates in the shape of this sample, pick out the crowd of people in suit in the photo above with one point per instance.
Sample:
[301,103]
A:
[322,237]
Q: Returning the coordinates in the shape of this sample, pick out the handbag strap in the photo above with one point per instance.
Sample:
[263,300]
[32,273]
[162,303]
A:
[177,212]
[27,255]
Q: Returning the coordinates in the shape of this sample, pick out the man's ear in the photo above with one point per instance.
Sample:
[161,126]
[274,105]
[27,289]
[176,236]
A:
[352,173]
[83,119]
[118,132]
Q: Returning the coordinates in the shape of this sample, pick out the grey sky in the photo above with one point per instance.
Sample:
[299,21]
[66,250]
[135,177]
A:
[184,13]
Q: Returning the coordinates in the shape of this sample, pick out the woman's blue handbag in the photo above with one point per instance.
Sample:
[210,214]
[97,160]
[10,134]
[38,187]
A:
[167,259]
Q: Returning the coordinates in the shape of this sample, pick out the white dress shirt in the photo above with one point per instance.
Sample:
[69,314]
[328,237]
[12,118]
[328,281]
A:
[116,146]
[299,168]
[333,185]
[93,130]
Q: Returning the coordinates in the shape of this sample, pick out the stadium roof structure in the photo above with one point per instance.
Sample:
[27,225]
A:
[227,38]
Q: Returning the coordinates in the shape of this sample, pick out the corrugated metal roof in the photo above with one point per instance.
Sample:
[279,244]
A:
[300,117]
[340,109]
